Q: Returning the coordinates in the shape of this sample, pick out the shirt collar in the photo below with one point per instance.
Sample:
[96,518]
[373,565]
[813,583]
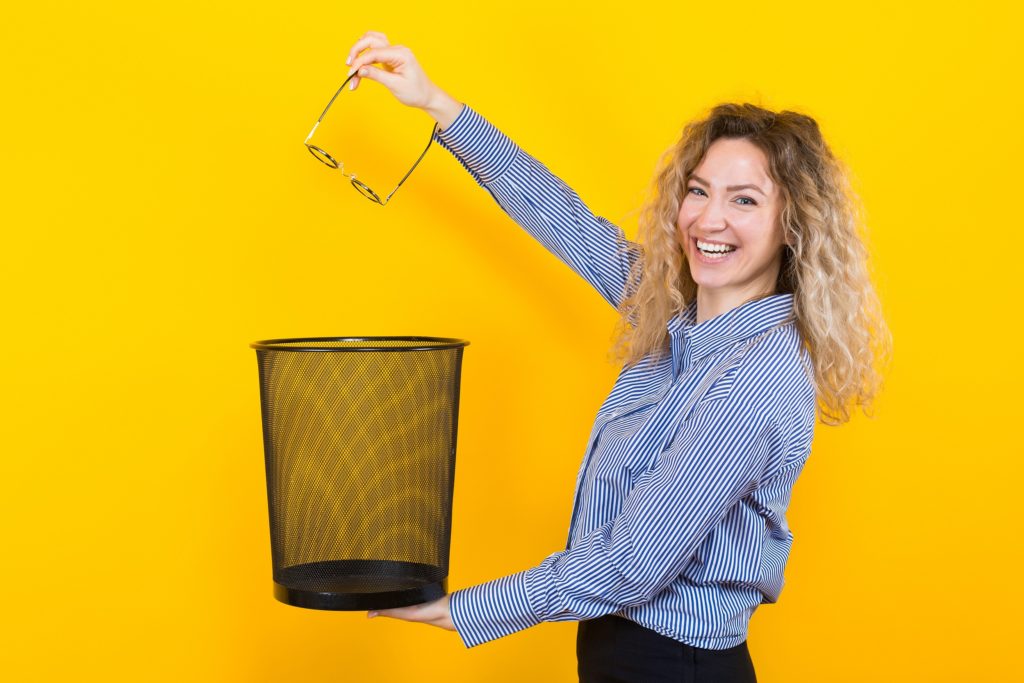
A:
[691,341]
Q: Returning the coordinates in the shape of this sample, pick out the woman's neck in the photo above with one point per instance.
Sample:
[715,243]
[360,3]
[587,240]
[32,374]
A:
[712,303]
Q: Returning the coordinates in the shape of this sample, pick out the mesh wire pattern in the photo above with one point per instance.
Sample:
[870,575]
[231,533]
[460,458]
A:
[359,442]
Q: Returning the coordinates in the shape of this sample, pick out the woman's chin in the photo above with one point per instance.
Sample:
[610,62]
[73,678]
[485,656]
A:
[707,280]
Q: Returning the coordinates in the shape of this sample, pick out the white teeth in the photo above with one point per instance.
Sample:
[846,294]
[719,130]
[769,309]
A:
[717,248]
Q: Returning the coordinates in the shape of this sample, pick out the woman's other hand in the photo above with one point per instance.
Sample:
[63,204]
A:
[435,613]
[401,74]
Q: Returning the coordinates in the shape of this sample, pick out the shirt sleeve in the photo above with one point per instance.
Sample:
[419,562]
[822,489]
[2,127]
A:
[716,459]
[542,204]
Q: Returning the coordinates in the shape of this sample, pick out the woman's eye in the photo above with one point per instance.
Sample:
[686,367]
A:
[742,199]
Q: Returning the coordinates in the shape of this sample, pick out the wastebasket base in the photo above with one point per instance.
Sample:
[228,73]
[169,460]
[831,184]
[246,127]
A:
[358,584]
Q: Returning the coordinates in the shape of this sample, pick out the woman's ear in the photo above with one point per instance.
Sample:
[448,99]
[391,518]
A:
[788,238]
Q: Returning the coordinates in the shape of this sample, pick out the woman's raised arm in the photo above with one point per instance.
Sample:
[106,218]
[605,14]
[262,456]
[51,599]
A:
[526,190]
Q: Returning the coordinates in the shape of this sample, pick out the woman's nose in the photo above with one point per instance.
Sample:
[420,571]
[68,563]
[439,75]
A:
[712,217]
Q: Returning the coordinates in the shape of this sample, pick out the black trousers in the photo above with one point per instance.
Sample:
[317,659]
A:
[616,650]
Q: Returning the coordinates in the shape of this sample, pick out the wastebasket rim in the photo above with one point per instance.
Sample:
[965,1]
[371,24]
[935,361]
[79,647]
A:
[432,344]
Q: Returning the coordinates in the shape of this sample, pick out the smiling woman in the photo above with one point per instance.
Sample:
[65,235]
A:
[766,186]
[745,310]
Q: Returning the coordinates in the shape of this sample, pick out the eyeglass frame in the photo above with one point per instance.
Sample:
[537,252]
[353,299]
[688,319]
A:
[327,160]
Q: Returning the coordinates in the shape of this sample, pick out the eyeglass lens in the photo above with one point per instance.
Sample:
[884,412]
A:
[322,155]
[366,191]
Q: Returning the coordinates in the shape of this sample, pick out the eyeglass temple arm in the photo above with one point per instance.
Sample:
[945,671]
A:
[328,107]
[409,173]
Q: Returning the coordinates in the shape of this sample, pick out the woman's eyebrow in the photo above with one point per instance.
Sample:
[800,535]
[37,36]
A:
[731,188]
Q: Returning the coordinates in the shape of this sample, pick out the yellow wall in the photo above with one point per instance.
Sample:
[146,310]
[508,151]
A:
[160,213]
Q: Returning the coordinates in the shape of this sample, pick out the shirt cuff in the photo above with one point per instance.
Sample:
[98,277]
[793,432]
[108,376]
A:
[492,610]
[484,150]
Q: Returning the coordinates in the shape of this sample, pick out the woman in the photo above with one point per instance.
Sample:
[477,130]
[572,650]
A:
[746,311]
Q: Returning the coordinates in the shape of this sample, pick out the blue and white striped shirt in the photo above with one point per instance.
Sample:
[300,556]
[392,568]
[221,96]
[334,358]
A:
[678,521]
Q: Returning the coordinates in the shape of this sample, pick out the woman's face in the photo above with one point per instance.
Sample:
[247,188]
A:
[728,225]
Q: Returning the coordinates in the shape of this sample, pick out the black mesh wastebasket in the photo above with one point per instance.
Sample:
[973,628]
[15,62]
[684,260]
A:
[359,442]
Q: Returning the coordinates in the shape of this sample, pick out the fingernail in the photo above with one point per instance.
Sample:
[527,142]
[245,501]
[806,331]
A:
[352,85]
[350,71]
[348,61]
[371,615]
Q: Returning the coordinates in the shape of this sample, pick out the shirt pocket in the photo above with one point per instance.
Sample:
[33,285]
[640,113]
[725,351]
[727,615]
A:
[718,389]
[617,410]
[617,450]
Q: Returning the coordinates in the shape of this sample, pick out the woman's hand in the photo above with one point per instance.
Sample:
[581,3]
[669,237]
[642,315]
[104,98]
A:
[435,613]
[402,75]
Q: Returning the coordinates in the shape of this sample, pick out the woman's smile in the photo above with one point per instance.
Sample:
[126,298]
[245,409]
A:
[713,252]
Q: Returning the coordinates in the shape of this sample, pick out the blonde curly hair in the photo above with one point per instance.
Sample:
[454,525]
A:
[824,264]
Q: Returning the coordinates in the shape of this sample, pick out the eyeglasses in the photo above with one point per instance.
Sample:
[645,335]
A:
[363,188]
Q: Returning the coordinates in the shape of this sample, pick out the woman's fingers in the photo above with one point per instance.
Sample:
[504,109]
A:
[407,614]
[369,39]
[402,74]
[389,80]
[436,613]
[394,56]
[404,613]
[393,66]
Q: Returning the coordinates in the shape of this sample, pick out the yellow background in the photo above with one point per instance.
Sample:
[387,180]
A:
[160,213]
